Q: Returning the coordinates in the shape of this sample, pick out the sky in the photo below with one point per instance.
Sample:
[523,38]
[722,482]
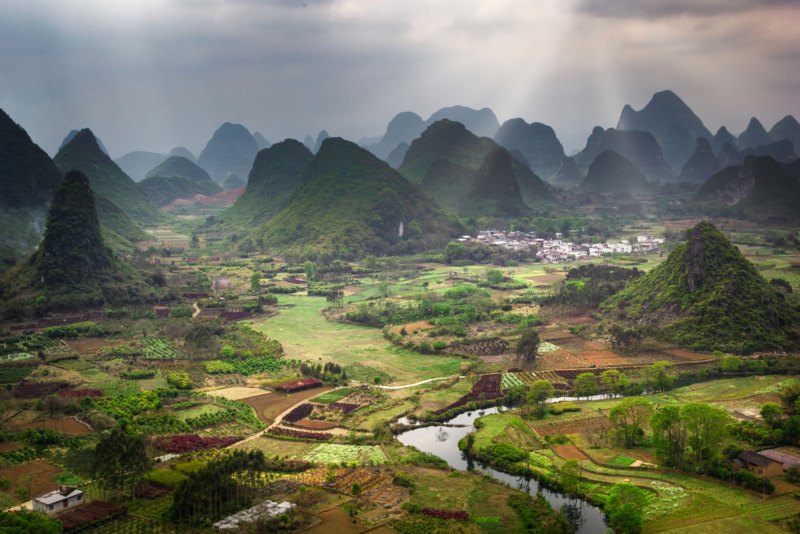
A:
[153,74]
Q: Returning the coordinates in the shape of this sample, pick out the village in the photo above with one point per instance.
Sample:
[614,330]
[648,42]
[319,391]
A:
[559,250]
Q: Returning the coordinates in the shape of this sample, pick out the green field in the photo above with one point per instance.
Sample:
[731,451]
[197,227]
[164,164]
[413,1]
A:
[307,335]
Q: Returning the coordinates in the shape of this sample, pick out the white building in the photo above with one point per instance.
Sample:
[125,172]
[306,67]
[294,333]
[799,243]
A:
[57,500]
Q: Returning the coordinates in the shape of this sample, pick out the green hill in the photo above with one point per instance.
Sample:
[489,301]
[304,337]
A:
[73,266]
[28,179]
[489,191]
[447,155]
[106,178]
[113,219]
[349,204]
[708,296]
[162,190]
[613,174]
[760,189]
[180,166]
[276,173]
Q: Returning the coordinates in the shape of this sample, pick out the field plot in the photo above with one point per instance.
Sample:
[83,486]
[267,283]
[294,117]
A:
[41,474]
[307,335]
[90,346]
[269,405]
[333,454]
[236,393]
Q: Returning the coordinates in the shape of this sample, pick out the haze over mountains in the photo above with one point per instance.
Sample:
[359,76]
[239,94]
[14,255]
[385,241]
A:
[461,159]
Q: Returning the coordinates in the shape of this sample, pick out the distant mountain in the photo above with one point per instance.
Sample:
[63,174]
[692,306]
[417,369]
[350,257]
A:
[612,173]
[233,181]
[728,155]
[179,166]
[73,267]
[261,141]
[230,150]
[350,204]
[568,173]
[708,296]
[443,162]
[106,178]
[782,151]
[277,172]
[309,142]
[536,142]
[482,122]
[674,125]
[138,164]
[73,133]
[320,138]
[396,156]
[403,128]
[702,164]
[495,191]
[720,138]
[28,180]
[407,126]
[182,152]
[786,128]
[759,189]
[640,147]
[754,135]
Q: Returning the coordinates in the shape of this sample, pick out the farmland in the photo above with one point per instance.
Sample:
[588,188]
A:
[308,387]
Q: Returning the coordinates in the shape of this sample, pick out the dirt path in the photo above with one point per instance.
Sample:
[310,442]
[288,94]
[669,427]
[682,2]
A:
[196,310]
[415,384]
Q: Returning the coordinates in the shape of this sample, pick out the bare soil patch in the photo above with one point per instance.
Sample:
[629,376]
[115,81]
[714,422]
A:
[335,520]
[8,446]
[687,355]
[350,290]
[570,452]
[604,358]
[41,472]
[67,426]
[412,327]
[313,424]
[270,405]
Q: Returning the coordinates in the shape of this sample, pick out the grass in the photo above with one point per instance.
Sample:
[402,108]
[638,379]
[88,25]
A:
[183,415]
[277,447]
[505,428]
[333,396]
[307,335]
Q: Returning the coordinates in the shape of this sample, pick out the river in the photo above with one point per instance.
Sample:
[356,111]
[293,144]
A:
[442,441]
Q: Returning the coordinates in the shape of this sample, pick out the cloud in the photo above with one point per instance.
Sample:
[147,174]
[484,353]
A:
[656,9]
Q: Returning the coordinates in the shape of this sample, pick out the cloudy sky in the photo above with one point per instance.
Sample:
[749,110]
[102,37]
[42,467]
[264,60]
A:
[152,74]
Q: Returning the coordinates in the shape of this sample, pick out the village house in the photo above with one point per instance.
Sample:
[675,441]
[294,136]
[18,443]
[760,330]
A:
[57,500]
[758,464]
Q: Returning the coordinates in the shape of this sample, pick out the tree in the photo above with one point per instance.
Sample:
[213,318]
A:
[625,508]
[311,269]
[613,382]
[790,395]
[27,522]
[120,458]
[528,345]
[255,282]
[495,276]
[585,385]
[669,435]
[571,476]
[540,391]
[657,377]
[731,363]
[771,412]
[628,417]
[705,429]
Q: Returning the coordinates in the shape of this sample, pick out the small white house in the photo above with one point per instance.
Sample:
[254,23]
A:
[57,500]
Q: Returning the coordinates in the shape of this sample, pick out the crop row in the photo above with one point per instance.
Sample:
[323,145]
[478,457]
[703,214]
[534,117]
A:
[80,393]
[299,412]
[488,387]
[15,356]
[367,375]
[179,443]
[299,385]
[158,349]
[299,434]
[511,381]
[244,366]
[345,407]
[12,375]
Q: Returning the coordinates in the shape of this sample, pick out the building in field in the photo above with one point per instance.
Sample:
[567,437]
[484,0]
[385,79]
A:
[55,501]
[758,464]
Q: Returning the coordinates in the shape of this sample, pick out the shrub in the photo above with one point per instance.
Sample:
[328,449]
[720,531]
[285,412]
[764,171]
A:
[179,380]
